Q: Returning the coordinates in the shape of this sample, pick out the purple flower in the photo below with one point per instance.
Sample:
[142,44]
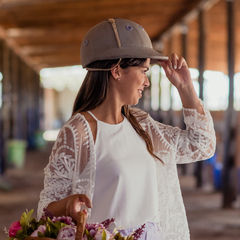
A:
[98,235]
[137,234]
[92,232]
[14,227]
[96,231]
[67,232]
[47,214]
[41,229]
[107,222]
[67,220]
[93,227]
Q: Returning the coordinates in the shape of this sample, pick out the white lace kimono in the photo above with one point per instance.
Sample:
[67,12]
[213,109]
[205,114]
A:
[72,165]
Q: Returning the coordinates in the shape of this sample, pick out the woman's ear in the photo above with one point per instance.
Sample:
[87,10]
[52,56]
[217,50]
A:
[116,73]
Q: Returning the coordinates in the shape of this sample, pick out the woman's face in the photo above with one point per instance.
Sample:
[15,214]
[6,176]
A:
[132,82]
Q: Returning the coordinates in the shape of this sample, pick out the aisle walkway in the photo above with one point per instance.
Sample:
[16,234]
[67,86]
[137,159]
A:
[206,219]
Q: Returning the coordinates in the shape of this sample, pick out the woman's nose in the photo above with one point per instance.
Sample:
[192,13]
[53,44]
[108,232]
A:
[146,82]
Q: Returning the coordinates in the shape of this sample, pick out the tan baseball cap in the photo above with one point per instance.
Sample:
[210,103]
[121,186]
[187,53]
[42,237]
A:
[116,39]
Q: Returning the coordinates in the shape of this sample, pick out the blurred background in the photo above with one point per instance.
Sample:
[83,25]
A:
[41,72]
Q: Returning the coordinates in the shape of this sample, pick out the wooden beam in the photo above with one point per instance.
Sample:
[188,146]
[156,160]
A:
[40,50]
[16,48]
[78,14]
[190,16]
[59,57]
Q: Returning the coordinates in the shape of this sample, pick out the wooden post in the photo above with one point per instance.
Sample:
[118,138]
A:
[15,62]
[201,52]
[201,68]
[228,188]
[32,85]
[2,143]
[37,100]
[170,112]
[22,101]
[184,32]
[6,91]
[40,105]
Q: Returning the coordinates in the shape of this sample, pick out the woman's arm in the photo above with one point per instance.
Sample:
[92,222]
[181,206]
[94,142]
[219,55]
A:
[198,141]
[60,175]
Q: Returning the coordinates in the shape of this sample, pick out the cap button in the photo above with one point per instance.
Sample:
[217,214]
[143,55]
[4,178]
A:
[129,27]
[85,43]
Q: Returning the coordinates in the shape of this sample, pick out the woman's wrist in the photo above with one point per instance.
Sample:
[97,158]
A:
[190,99]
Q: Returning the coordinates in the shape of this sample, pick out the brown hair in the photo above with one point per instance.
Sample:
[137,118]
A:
[94,89]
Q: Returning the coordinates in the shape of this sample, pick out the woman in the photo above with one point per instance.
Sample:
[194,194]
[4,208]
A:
[115,160]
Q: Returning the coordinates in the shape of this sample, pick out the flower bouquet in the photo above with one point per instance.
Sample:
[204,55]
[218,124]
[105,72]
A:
[63,228]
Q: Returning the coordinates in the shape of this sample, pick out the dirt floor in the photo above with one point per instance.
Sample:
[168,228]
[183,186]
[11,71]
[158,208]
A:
[206,218]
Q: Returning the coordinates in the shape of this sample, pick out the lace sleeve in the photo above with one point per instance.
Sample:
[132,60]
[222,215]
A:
[60,170]
[196,143]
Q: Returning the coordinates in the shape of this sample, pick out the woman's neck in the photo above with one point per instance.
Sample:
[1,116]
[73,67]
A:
[109,111]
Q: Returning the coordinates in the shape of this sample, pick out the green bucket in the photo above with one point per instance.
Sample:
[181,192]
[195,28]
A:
[16,151]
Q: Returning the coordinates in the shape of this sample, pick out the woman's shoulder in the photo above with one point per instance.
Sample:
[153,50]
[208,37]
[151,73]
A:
[76,124]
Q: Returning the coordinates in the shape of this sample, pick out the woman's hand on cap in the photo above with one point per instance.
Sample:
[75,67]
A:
[177,71]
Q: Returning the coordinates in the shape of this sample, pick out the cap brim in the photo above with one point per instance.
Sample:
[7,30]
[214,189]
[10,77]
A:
[131,52]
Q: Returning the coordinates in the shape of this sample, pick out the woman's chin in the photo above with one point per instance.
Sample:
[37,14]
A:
[132,102]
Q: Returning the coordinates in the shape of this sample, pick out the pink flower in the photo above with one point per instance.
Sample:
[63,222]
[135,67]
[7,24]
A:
[14,227]
[98,235]
[85,237]
[67,232]
[41,229]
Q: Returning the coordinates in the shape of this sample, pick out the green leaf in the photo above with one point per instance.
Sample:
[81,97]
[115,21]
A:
[104,235]
[25,219]
[40,234]
[130,238]
[47,232]
[33,225]
[89,237]
[41,222]
[21,236]
[118,236]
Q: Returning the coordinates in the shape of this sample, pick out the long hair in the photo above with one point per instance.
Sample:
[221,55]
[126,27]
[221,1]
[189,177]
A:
[94,89]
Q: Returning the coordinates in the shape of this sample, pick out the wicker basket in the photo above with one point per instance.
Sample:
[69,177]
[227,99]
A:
[80,229]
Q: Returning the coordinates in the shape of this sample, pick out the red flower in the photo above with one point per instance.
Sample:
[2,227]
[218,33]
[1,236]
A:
[14,227]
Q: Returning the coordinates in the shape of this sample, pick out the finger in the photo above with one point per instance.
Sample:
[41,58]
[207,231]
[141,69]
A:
[167,66]
[169,63]
[182,63]
[86,200]
[85,212]
[174,59]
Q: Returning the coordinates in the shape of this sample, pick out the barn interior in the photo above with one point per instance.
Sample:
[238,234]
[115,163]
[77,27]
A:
[40,74]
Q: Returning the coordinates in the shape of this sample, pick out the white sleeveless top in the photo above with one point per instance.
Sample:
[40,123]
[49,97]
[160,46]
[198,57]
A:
[126,180]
